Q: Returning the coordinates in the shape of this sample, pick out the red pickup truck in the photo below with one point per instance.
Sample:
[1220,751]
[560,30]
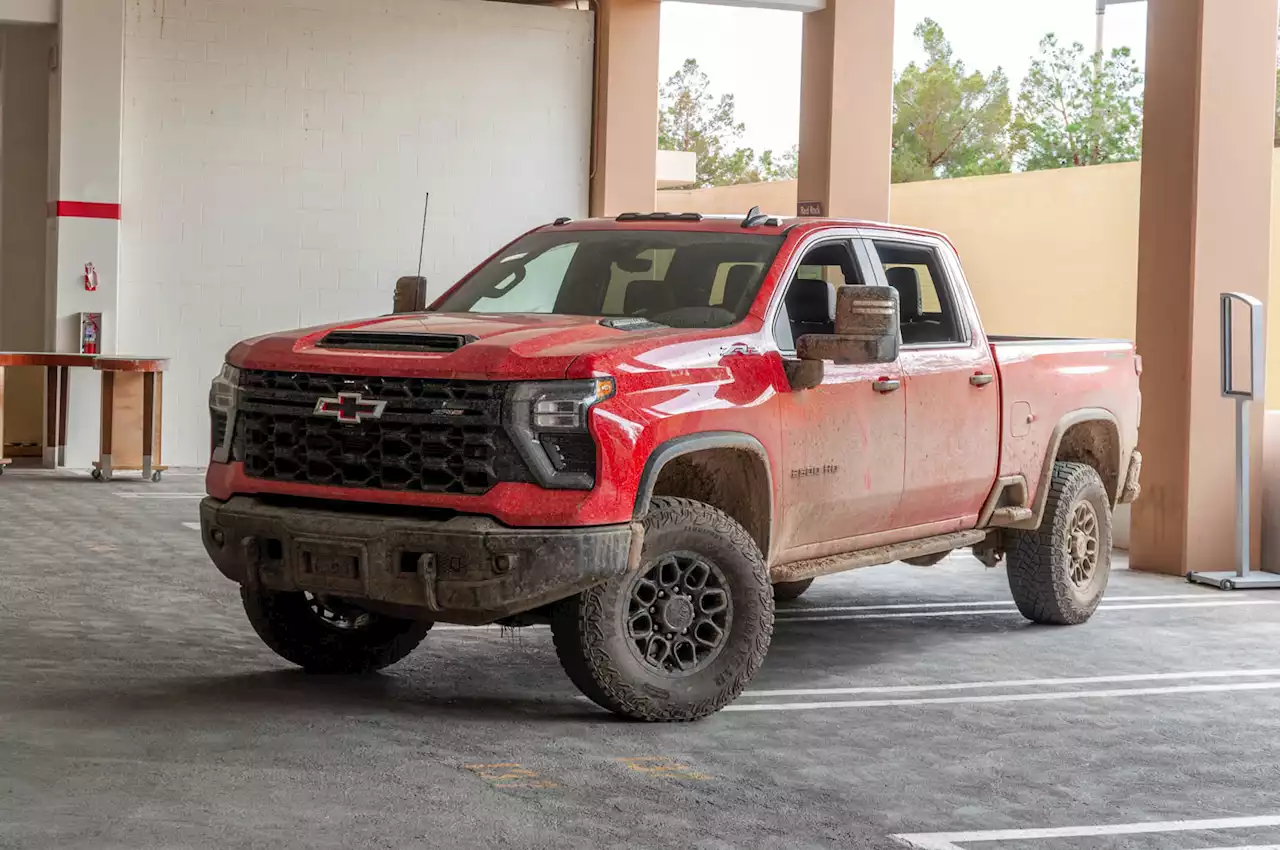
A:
[643,431]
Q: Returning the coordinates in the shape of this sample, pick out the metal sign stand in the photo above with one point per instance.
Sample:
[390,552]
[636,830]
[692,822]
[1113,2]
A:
[1243,577]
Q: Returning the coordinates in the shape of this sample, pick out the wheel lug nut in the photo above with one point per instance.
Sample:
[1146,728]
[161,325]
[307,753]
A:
[671,637]
[653,610]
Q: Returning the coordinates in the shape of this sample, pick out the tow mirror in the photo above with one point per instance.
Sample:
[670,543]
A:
[867,332]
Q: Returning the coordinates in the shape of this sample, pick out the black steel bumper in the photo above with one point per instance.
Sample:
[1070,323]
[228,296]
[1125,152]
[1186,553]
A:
[468,570]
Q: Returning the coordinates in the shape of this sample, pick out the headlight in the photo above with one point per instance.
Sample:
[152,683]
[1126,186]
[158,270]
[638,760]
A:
[222,395]
[548,422]
[222,412]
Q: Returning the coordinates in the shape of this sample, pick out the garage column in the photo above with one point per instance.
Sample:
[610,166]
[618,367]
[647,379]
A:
[624,173]
[846,109]
[1205,229]
[86,94]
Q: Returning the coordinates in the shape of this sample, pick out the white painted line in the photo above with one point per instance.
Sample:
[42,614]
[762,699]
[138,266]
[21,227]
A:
[194,526]
[1216,603]
[124,494]
[953,840]
[994,698]
[906,606]
[1016,683]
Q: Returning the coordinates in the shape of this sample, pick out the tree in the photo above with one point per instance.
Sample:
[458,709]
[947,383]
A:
[692,119]
[947,122]
[785,167]
[1078,110]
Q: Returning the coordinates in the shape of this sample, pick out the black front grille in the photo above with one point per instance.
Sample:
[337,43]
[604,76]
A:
[432,437]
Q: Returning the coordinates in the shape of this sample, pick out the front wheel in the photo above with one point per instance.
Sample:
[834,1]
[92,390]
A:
[1059,572]
[681,637]
[323,635]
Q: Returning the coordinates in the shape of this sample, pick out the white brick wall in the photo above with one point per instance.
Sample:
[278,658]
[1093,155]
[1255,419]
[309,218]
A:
[276,152]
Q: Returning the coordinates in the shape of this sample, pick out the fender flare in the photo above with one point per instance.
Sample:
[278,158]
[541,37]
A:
[679,446]
[1065,424]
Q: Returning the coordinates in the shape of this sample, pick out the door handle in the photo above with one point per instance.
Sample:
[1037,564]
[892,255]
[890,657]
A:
[981,379]
[885,386]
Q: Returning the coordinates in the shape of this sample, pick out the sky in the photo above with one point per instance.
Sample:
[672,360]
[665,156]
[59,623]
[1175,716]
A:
[754,54]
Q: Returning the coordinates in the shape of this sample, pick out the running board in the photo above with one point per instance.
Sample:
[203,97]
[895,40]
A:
[801,570]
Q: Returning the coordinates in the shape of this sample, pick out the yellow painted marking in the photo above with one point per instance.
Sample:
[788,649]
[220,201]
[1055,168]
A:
[509,775]
[664,766]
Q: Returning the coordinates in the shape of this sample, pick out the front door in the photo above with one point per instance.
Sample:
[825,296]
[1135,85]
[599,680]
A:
[844,441]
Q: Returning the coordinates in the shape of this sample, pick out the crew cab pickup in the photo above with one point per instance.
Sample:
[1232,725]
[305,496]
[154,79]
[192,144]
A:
[644,431]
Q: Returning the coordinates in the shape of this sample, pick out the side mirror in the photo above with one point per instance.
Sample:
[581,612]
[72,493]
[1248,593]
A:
[867,329]
[867,332]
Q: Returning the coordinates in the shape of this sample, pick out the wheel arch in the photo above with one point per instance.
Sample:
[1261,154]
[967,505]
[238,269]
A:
[728,470]
[1090,436]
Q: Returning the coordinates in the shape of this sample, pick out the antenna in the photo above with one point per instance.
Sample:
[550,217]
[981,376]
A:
[422,247]
[754,218]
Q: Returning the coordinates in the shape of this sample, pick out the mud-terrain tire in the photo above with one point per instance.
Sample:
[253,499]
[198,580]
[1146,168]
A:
[620,653]
[785,591]
[301,629]
[1059,572]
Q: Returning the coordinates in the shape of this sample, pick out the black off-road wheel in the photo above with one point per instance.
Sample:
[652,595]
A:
[682,636]
[326,636]
[788,590]
[1059,572]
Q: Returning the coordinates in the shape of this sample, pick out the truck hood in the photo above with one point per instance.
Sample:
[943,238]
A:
[517,346]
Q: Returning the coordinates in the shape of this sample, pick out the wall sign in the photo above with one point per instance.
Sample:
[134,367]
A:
[810,209]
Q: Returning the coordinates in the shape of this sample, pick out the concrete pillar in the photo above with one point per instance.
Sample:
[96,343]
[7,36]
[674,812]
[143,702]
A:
[1205,229]
[86,101]
[846,110]
[624,169]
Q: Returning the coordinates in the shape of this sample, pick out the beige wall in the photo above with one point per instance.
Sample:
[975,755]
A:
[1053,253]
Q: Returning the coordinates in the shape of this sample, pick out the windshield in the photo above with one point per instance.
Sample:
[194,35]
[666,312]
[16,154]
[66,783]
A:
[681,279]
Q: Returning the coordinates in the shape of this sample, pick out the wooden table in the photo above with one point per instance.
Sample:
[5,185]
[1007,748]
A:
[130,416]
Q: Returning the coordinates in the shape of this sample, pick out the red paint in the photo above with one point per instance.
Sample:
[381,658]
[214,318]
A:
[891,466]
[85,209]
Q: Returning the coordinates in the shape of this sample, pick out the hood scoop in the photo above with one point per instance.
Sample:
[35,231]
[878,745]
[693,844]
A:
[422,343]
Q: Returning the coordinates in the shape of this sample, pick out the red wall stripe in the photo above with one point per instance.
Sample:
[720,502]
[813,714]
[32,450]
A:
[83,209]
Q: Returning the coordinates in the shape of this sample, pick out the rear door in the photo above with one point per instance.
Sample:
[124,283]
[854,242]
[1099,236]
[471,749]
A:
[949,377]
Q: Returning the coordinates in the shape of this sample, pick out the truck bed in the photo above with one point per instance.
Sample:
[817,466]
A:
[1047,383]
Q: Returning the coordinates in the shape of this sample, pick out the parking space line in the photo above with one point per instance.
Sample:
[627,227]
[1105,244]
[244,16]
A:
[194,526]
[1016,683]
[899,615]
[906,606]
[125,494]
[972,612]
[955,840]
[997,698]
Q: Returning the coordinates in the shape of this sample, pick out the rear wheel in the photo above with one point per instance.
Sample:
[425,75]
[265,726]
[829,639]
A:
[323,635]
[1059,572]
[681,637]
[785,591]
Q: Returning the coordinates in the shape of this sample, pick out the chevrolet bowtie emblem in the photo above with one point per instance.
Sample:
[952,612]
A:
[350,408]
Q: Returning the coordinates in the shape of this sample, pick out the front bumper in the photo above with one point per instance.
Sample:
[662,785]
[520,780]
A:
[469,570]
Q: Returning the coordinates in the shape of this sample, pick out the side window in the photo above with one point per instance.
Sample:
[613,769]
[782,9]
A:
[929,314]
[809,306]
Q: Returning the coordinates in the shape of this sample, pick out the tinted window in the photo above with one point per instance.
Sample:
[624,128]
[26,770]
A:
[677,278]
[928,311]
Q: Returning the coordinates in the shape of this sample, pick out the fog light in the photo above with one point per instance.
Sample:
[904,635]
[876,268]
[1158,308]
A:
[219,539]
